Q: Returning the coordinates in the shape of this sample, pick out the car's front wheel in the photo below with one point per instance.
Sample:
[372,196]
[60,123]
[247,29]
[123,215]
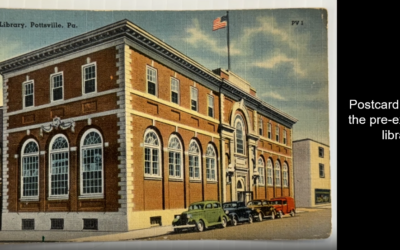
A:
[272,216]
[260,217]
[234,221]
[280,214]
[250,218]
[224,222]
[200,226]
[292,213]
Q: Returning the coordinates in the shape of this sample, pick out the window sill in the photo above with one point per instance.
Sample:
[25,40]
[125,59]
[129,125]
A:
[26,199]
[155,178]
[91,196]
[53,198]
[195,181]
[175,179]
[212,182]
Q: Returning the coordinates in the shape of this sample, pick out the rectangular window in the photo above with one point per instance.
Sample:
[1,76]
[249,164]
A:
[57,223]
[321,152]
[260,127]
[151,80]
[321,170]
[57,87]
[277,133]
[90,224]
[193,98]
[210,106]
[28,224]
[155,221]
[28,94]
[284,137]
[59,173]
[210,169]
[194,168]
[174,90]
[269,130]
[89,78]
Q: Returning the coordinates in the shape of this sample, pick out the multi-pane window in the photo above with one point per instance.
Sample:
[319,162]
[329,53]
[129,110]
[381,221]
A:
[321,170]
[174,90]
[277,133]
[151,154]
[285,175]
[90,224]
[175,157]
[92,163]
[211,163]
[239,135]
[151,80]
[30,170]
[260,166]
[260,127]
[210,106]
[269,131]
[193,98]
[59,166]
[57,223]
[321,152]
[284,137]
[57,87]
[277,174]
[28,224]
[269,173]
[194,161]
[28,94]
[89,78]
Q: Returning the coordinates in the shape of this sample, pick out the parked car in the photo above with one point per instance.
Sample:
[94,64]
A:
[238,212]
[284,205]
[201,215]
[261,209]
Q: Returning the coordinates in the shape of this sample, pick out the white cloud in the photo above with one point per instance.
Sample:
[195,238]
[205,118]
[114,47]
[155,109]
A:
[197,38]
[275,61]
[273,95]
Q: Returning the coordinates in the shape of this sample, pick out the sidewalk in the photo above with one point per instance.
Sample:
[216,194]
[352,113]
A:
[81,236]
[93,236]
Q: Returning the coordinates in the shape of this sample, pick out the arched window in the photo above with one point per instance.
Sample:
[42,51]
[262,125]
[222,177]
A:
[269,173]
[240,135]
[260,166]
[211,168]
[194,161]
[285,174]
[59,166]
[92,175]
[151,154]
[175,157]
[277,174]
[30,170]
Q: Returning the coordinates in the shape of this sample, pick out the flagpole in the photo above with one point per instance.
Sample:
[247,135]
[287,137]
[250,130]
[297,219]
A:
[229,59]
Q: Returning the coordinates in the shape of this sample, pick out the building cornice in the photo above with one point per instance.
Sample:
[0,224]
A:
[133,33]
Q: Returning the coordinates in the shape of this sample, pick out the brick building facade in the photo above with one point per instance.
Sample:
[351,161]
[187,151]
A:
[114,130]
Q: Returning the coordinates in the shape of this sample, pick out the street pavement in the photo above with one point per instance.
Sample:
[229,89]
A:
[93,236]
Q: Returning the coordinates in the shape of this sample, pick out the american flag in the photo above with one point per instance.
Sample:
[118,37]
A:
[220,22]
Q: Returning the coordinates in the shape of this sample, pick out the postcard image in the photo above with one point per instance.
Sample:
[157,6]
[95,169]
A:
[165,125]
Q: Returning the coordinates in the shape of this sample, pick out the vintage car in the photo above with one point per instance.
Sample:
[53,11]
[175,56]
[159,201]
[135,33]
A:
[201,215]
[261,209]
[238,212]
[284,205]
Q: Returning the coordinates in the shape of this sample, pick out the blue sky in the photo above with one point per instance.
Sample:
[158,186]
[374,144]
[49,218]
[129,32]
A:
[285,62]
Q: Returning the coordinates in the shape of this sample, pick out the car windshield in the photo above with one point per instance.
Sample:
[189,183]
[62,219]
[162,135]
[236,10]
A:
[254,203]
[196,206]
[230,205]
[276,202]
